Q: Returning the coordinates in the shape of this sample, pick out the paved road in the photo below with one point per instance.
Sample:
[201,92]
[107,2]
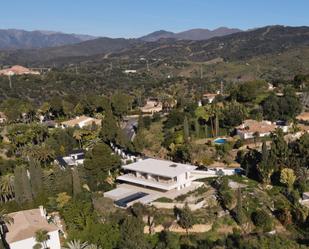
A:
[130,128]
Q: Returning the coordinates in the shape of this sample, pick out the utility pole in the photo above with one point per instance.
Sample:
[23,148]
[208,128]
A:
[221,90]
[147,65]
[76,69]
[201,71]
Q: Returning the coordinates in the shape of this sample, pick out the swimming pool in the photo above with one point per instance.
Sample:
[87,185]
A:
[124,201]
[220,141]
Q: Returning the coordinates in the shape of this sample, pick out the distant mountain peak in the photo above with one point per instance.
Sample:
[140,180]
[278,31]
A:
[157,35]
[191,34]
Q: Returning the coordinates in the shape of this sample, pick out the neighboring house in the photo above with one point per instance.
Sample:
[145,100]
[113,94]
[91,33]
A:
[129,71]
[270,87]
[209,97]
[158,174]
[81,122]
[152,106]
[283,125]
[3,118]
[75,158]
[250,128]
[21,233]
[305,200]
[17,70]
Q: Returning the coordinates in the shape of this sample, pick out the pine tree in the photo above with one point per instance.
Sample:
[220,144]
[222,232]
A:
[185,217]
[63,181]
[266,166]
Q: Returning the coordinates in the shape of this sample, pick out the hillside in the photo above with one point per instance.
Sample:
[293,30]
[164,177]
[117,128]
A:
[267,40]
[21,39]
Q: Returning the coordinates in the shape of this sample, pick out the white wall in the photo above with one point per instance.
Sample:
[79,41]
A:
[52,243]
[182,181]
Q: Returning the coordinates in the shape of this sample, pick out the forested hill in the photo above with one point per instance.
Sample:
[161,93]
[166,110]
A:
[262,41]
[267,40]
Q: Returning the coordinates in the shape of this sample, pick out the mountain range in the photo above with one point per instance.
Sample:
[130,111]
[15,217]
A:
[21,39]
[236,46]
[192,34]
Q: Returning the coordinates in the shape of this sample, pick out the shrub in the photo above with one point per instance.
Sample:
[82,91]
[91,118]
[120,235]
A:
[238,144]
[164,199]
[262,220]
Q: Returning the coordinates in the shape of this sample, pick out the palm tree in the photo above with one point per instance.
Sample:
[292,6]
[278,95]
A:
[45,154]
[77,134]
[40,153]
[76,244]
[41,236]
[4,219]
[6,187]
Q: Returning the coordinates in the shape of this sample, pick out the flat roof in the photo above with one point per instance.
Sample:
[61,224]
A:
[160,167]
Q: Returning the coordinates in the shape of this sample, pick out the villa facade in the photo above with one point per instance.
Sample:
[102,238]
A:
[158,174]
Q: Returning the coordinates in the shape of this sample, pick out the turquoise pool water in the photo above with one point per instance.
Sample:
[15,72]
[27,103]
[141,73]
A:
[220,141]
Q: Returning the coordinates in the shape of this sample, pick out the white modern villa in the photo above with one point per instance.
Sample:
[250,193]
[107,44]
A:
[158,174]
[149,179]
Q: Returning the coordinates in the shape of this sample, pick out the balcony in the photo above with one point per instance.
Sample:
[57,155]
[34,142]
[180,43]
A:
[149,181]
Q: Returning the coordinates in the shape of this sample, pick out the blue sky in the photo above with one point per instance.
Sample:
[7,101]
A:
[134,18]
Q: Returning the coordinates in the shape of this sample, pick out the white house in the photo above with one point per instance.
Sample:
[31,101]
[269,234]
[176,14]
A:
[81,122]
[129,71]
[17,70]
[75,158]
[305,200]
[2,118]
[152,106]
[210,97]
[21,233]
[158,174]
[249,128]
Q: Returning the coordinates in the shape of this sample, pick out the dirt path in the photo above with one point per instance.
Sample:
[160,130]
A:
[197,228]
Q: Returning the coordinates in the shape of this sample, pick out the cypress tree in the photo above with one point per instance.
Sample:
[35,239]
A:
[197,128]
[240,216]
[186,129]
[22,185]
[76,181]
[36,178]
